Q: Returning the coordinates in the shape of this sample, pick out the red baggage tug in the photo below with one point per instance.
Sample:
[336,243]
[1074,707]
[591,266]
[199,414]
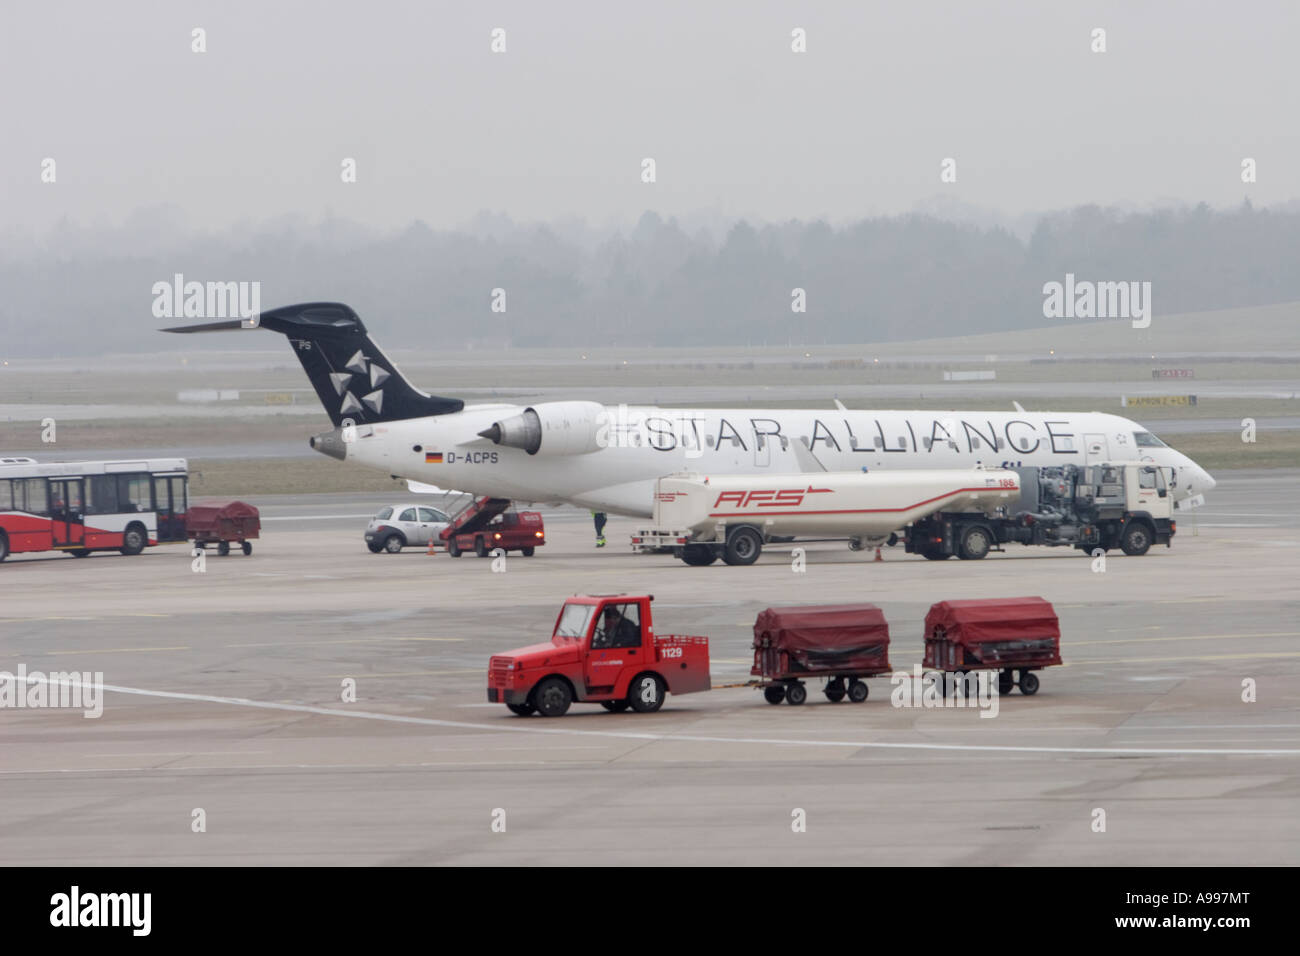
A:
[602,650]
[841,643]
[1009,635]
[223,524]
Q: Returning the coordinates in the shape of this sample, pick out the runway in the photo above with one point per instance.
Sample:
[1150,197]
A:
[228,698]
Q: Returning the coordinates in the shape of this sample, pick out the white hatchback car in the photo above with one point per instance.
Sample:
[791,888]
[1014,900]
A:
[406,525]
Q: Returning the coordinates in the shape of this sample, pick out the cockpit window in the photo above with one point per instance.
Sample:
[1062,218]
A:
[1148,440]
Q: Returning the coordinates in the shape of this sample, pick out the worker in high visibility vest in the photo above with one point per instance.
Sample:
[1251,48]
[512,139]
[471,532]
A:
[599,518]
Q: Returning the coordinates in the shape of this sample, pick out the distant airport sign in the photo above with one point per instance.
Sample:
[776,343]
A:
[1138,401]
[1172,373]
[977,375]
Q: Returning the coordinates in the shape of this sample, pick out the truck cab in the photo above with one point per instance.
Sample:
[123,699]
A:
[603,649]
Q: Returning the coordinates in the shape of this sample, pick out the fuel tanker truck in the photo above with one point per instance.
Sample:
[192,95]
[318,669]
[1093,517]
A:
[701,518]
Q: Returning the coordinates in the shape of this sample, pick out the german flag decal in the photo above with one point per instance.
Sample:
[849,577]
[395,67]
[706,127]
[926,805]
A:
[433,458]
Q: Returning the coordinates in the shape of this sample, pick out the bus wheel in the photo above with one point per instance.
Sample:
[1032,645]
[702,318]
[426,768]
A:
[133,540]
[80,553]
[4,546]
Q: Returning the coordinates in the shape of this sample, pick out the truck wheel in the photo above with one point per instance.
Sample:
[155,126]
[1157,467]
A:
[699,555]
[393,543]
[480,547]
[975,543]
[453,548]
[935,555]
[858,691]
[744,545]
[552,697]
[1028,682]
[835,691]
[80,553]
[134,540]
[1006,681]
[528,552]
[646,694]
[614,706]
[796,694]
[774,694]
[1135,542]
[521,710]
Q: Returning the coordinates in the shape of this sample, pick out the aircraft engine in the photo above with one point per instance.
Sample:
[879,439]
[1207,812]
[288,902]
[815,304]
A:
[552,428]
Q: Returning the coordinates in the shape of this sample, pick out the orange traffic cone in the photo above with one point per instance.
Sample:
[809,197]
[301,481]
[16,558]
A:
[430,551]
[878,557]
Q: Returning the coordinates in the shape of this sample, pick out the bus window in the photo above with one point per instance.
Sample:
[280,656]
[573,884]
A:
[133,493]
[179,503]
[101,495]
[162,504]
[6,494]
[35,497]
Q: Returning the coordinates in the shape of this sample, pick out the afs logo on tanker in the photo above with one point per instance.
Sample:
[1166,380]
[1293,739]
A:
[769,498]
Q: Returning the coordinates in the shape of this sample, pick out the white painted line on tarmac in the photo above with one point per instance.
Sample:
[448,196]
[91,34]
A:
[520,725]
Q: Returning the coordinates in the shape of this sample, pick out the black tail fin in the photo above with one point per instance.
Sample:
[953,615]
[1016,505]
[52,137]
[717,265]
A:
[353,378]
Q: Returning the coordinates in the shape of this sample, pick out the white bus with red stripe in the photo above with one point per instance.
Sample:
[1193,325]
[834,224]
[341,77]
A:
[84,506]
[701,518]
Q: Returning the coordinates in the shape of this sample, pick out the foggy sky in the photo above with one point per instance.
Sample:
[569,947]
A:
[557,126]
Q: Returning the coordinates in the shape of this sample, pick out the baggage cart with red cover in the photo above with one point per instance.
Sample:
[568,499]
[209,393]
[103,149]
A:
[223,523]
[1008,635]
[841,643]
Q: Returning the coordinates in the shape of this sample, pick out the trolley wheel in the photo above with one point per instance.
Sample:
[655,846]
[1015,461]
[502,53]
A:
[1006,681]
[774,694]
[615,706]
[835,691]
[1028,682]
[223,548]
[858,691]
[521,710]
[796,693]
[247,547]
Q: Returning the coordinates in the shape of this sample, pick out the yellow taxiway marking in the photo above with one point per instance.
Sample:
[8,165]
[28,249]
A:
[355,640]
[1188,637]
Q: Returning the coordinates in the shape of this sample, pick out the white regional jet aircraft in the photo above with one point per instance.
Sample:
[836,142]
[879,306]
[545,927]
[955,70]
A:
[608,457]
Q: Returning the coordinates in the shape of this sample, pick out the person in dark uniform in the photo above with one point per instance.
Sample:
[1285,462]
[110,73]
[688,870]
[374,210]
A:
[615,630]
[599,518]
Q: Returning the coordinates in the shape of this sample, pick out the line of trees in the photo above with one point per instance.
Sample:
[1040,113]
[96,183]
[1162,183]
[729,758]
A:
[876,280]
